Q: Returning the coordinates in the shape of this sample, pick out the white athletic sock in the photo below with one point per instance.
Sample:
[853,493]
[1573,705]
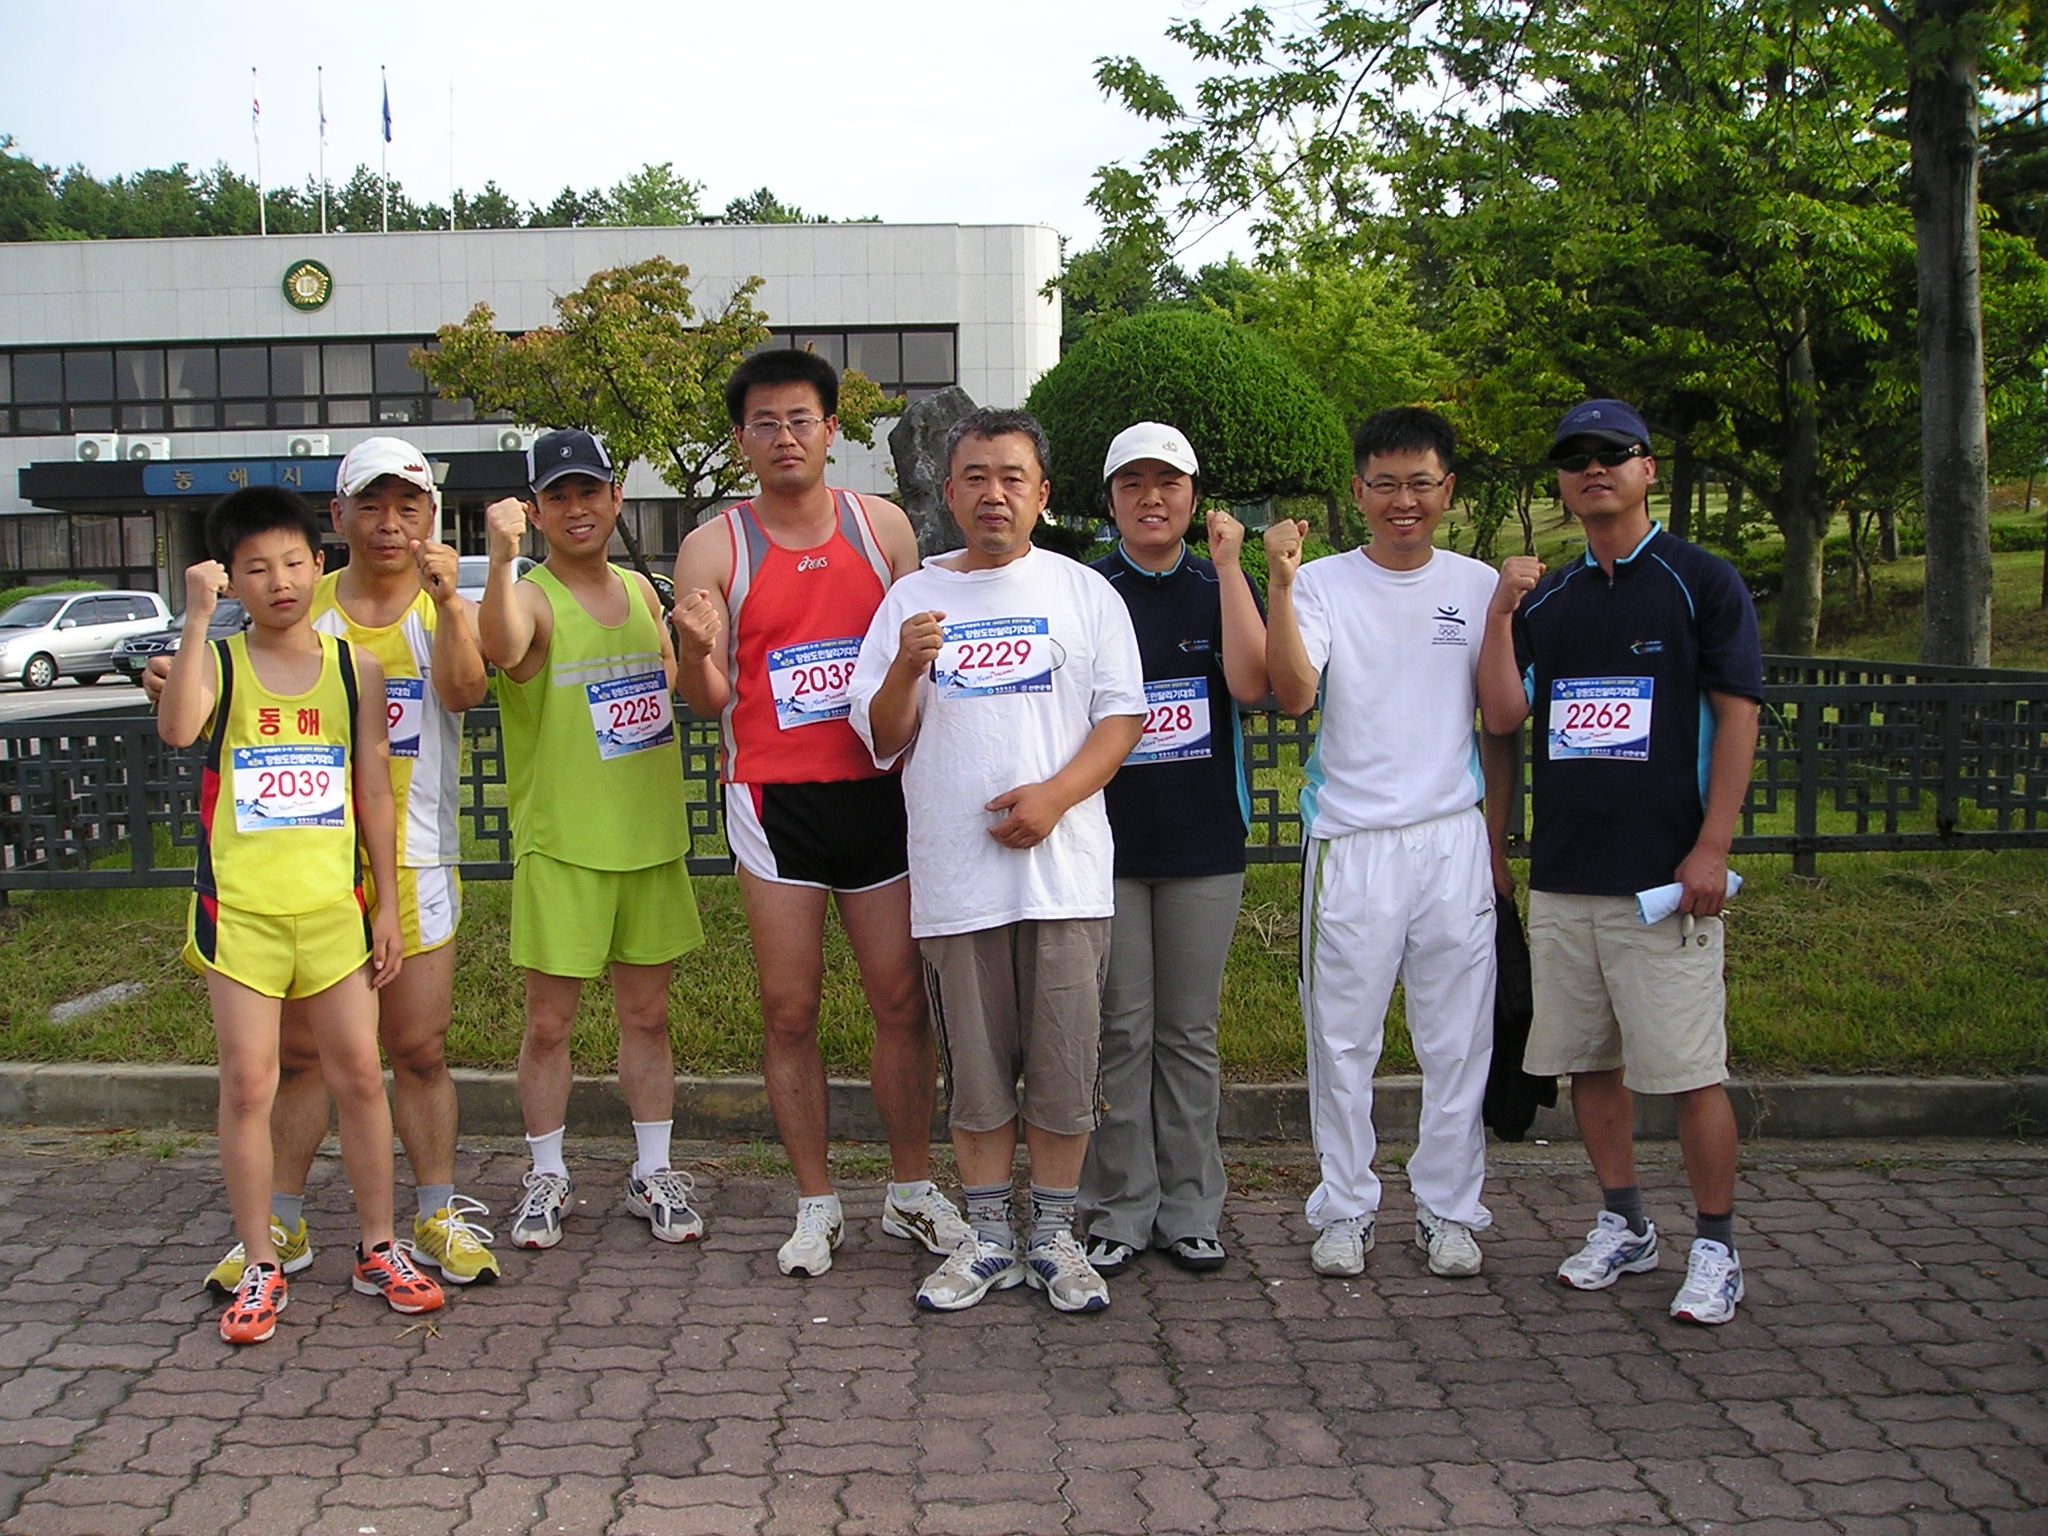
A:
[908,1194]
[547,1153]
[651,1138]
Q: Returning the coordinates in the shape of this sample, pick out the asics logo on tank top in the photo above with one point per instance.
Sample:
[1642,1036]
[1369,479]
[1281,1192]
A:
[1450,627]
[812,563]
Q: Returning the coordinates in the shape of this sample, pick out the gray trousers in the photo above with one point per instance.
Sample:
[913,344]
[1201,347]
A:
[1154,1171]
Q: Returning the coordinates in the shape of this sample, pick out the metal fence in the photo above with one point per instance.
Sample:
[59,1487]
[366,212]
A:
[1854,756]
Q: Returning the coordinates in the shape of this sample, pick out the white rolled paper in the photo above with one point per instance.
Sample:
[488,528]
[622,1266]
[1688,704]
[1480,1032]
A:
[1659,902]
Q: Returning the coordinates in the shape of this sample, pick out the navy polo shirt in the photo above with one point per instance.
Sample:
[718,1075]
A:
[1180,816]
[1618,669]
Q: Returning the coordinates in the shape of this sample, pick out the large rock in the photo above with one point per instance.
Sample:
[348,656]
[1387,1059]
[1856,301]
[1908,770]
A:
[918,442]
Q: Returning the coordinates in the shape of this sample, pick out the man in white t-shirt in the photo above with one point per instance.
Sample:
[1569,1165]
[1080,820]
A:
[1008,681]
[1399,867]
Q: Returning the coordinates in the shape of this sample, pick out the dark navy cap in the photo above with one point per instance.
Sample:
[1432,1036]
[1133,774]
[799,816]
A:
[570,451]
[1610,421]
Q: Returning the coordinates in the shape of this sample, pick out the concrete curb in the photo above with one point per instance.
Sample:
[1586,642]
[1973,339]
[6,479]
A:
[120,1096]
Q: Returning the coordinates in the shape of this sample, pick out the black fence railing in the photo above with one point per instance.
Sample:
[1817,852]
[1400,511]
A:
[1854,756]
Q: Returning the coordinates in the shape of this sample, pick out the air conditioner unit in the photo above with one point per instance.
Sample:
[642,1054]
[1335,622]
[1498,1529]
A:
[307,445]
[147,448]
[91,447]
[512,440]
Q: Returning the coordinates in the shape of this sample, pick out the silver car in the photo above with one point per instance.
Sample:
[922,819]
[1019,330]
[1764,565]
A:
[72,634]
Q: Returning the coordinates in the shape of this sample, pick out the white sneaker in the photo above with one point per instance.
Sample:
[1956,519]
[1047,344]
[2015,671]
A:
[930,1219]
[819,1227]
[1058,1267]
[1611,1251]
[537,1219]
[662,1199]
[1453,1250]
[1341,1247]
[1713,1284]
[976,1267]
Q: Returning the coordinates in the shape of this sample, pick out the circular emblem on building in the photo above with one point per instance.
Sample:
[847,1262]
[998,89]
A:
[307,285]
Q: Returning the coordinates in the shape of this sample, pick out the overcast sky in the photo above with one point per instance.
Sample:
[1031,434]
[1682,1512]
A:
[916,110]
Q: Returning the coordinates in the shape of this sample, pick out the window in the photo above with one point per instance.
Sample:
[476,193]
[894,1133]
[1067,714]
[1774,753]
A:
[89,375]
[38,377]
[139,374]
[395,372]
[907,362]
[244,371]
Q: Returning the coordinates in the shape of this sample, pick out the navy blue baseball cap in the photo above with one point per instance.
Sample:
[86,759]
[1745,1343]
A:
[1609,421]
[570,451]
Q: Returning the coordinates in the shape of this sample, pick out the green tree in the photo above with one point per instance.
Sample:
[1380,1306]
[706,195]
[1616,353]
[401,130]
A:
[28,196]
[1260,427]
[652,195]
[631,359]
[492,208]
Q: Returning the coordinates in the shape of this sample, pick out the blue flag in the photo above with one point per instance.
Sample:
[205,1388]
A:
[387,112]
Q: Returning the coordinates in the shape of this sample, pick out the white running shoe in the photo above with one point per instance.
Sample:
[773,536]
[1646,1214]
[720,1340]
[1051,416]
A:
[537,1220]
[976,1267]
[819,1227]
[930,1219]
[1341,1247]
[1058,1267]
[1453,1250]
[663,1198]
[1611,1251]
[1713,1284]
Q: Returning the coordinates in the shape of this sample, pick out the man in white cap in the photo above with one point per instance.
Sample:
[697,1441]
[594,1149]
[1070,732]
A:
[396,598]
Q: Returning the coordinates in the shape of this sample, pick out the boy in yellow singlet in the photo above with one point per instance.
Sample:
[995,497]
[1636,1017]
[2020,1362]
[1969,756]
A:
[296,792]
[594,777]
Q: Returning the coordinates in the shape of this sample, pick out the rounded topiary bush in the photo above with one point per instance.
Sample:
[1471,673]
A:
[1260,427]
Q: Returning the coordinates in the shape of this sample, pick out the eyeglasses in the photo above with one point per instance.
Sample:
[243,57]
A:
[802,428]
[1606,458]
[1415,485]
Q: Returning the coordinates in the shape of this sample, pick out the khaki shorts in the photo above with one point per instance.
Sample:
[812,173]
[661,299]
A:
[429,905]
[572,921]
[1611,993]
[290,956]
[1023,1000]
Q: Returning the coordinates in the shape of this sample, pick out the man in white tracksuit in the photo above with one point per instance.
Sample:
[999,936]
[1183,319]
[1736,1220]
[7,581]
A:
[1399,870]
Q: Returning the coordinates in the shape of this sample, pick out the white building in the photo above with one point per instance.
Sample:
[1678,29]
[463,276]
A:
[141,379]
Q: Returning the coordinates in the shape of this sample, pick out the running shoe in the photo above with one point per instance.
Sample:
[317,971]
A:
[455,1244]
[537,1223]
[663,1198]
[930,1219]
[1341,1247]
[1110,1258]
[1199,1255]
[976,1267]
[294,1252]
[1453,1250]
[1611,1251]
[819,1227]
[1057,1266]
[252,1316]
[387,1270]
[1713,1284]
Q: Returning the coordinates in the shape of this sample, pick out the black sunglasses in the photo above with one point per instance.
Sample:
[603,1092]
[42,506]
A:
[1606,458]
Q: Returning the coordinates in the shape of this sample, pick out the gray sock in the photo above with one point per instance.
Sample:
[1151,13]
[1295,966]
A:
[988,1212]
[434,1197]
[289,1209]
[1627,1203]
[1052,1212]
[1719,1229]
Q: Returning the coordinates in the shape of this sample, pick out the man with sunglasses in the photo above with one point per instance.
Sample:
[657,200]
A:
[1641,663]
[773,597]
[1399,867]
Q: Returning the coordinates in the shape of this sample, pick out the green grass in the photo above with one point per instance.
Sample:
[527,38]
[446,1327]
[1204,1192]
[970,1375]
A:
[1889,963]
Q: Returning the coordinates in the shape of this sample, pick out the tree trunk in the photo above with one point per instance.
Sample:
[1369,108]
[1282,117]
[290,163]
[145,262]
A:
[1888,529]
[1941,126]
[1734,536]
[1681,489]
[1798,510]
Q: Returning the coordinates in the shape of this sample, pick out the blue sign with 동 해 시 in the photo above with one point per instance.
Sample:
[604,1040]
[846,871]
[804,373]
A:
[306,476]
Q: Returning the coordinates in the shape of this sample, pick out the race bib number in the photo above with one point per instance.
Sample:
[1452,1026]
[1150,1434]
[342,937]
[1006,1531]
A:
[405,700]
[1601,717]
[277,787]
[983,657]
[809,681]
[1176,721]
[630,714]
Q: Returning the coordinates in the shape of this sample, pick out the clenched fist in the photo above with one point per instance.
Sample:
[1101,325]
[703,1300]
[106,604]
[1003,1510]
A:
[1283,550]
[505,528]
[439,567]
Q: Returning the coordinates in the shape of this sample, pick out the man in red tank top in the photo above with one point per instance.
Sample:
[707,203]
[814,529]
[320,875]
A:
[772,598]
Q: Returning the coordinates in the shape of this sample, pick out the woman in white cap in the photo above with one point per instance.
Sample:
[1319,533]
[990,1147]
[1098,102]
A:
[1179,809]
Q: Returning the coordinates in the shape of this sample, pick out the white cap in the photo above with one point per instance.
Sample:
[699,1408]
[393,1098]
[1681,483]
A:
[1150,440]
[375,457]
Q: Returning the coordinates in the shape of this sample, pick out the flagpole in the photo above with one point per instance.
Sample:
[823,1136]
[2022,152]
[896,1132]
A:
[384,155]
[256,131]
[320,89]
[451,154]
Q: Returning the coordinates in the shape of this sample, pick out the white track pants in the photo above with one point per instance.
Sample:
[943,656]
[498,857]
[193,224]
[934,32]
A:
[1413,904]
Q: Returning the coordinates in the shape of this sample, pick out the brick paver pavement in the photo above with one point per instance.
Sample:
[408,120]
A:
[1885,1376]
